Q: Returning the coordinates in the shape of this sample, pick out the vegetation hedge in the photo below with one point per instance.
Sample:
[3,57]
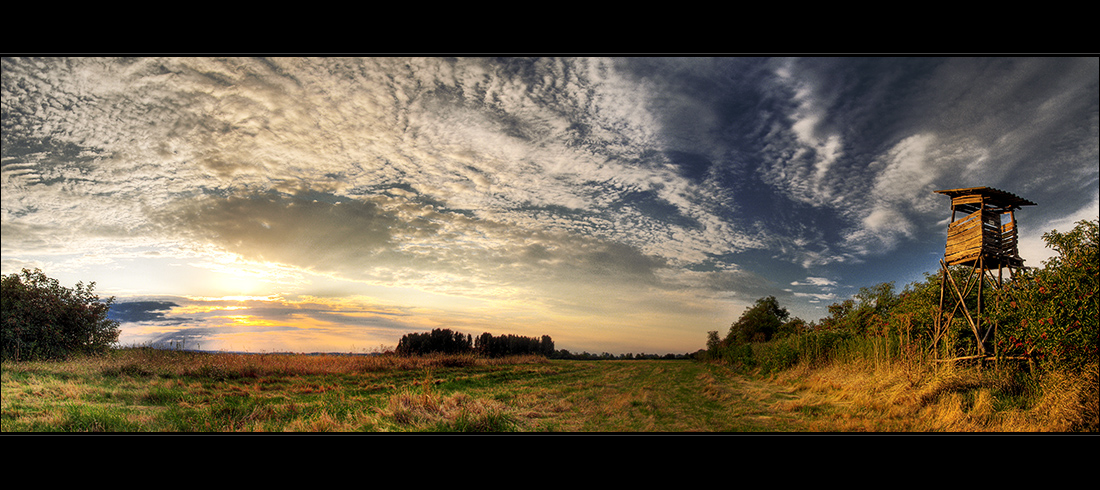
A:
[1045,315]
[42,320]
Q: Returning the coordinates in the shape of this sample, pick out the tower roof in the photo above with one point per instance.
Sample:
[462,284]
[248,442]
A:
[989,195]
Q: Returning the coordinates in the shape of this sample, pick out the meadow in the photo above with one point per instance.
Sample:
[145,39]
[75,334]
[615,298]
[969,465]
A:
[148,390]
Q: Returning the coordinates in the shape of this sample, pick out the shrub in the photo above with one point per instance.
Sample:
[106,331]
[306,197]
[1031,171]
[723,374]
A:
[739,356]
[1050,313]
[776,356]
[43,320]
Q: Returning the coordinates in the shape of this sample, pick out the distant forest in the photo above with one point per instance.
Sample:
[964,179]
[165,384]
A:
[446,341]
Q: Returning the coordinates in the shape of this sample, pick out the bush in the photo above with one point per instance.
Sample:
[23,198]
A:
[42,320]
[1050,313]
[777,355]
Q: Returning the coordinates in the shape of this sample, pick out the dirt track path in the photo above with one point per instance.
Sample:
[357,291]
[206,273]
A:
[756,405]
[653,396]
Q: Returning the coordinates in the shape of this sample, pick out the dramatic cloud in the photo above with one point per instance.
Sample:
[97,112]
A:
[615,204]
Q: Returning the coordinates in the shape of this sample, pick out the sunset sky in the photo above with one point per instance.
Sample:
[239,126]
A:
[616,204]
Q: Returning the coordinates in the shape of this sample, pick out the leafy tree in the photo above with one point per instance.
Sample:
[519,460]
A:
[43,320]
[867,313]
[713,344]
[794,326]
[758,323]
[840,316]
[546,346]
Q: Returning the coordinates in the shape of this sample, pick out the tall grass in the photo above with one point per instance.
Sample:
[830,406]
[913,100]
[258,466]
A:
[889,379]
[423,408]
[887,382]
[145,361]
[945,398]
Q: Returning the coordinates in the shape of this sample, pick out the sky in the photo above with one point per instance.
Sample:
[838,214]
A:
[621,205]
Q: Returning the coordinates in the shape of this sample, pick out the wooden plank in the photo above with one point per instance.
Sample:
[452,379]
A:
[972,238]
[960,259]
[964,223]
[962,247]
[966,198]
[970,199]
[970,216]
[963,227]
[959,255]
[965,236]
[972,243]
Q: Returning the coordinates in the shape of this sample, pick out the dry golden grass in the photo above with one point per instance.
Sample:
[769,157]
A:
[712,388]
[150,361]
[420,407]
[1070,402]
[888,398]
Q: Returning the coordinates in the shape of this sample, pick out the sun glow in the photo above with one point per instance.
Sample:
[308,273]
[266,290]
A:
[242,282]
[231,275]
[249,320]
[229,299]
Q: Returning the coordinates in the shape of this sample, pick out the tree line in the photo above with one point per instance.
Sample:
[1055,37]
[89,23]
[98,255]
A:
[629,356]
[446,341]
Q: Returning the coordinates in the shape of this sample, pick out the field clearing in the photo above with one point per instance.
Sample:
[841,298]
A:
[142,390]
[145,390]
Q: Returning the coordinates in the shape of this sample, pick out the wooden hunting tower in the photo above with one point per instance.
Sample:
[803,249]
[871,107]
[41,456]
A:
[979,236]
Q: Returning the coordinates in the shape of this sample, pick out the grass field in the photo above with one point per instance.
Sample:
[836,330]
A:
[146,390]
[142,390]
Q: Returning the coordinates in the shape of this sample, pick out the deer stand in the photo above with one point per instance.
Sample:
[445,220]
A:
[980,241]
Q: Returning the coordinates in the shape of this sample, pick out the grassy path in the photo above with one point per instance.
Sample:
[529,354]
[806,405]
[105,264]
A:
[636,396]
